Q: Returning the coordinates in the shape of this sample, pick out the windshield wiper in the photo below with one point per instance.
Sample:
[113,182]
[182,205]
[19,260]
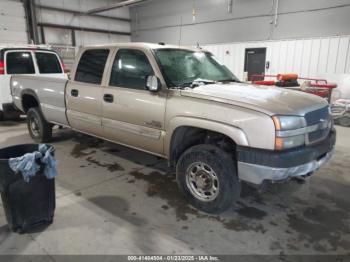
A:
[197,82]
[229,80]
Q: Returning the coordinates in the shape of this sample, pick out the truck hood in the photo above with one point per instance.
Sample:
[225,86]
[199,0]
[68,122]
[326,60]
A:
[269,100]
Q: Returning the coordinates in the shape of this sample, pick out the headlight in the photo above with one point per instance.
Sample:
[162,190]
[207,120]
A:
[288,122]
[284,137]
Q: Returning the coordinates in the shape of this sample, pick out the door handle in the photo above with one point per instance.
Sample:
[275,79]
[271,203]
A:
[108,98]
[74,92]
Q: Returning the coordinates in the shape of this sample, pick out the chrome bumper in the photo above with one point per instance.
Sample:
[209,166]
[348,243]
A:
[256,174]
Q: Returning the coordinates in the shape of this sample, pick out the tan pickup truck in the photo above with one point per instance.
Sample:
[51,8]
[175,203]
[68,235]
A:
[184,105]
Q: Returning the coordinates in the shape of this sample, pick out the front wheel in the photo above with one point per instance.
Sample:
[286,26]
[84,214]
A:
[39,129]
[207,177]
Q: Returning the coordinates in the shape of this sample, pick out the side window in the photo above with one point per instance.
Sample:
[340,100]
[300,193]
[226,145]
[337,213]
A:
[48,63]
[130,69]
[19,63]
[91,66]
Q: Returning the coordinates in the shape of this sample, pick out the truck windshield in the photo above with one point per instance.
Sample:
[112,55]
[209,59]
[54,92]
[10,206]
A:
[183,67]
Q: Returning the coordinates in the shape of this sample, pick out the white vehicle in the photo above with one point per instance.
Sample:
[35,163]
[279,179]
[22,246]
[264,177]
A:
[25,60]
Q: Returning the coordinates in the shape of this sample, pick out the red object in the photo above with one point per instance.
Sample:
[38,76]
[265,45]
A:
[320,93]
[321,89]
[318,87]
[2,68]
[286,77]
[264,83]
[328,86]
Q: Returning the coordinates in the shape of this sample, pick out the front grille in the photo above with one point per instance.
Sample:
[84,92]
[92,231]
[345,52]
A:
[318,117]
[314,117]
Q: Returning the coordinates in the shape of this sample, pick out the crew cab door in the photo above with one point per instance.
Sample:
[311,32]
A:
[132,115]
[84,92]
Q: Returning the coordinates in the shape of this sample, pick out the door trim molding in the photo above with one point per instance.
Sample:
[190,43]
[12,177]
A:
[131,128]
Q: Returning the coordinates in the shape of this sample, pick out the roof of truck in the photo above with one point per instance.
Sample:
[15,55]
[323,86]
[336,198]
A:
[20,46]
[144,45]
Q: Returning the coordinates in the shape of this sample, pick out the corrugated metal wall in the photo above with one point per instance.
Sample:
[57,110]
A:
[13,28]
[64,37]
[307,57]
[327,58]
[171,21]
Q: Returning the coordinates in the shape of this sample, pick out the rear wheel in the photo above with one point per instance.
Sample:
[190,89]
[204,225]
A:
[207,177]
[39,129]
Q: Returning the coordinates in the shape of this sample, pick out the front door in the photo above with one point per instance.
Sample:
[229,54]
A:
[255,60]
[132,115]
[84,106]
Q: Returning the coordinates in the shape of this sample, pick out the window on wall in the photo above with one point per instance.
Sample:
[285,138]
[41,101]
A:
[19,63]
[130,69]
[91,66]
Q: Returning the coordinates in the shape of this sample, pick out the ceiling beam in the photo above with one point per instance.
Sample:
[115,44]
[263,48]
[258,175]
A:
[114,6]
[78,13]
[86,29]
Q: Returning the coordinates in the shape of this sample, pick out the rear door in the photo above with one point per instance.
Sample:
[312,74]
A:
[84,92]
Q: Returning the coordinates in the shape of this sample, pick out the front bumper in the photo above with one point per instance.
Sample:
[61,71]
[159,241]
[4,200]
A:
[256,165]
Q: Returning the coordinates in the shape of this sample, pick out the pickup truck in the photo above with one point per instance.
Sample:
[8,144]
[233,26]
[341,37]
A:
[185,106]
[29,60]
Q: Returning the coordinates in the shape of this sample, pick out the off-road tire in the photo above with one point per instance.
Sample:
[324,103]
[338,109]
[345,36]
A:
[43,133]
[225,169]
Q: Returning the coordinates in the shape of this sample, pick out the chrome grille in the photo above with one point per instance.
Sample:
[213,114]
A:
[319,117]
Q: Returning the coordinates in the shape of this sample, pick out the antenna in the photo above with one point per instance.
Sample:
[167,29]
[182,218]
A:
[180,37]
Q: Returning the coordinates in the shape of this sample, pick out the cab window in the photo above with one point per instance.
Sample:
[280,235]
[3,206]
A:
[91,66]
[48,63]
[19,63]
[130,69]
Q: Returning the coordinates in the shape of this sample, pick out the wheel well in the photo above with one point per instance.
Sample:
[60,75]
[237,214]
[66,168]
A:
[29,101]
[187,136]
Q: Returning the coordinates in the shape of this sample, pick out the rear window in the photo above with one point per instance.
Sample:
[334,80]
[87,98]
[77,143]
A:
[91,66]
[48,63]
[19,63]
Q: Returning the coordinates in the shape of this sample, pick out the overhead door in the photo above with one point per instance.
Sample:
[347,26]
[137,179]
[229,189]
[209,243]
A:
[13,27]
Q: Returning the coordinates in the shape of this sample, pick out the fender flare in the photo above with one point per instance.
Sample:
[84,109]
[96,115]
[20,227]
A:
[29,92]
[234,133]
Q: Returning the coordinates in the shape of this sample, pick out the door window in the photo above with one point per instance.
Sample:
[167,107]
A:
[48,63]
[91,66]
[19,63]
[130,69]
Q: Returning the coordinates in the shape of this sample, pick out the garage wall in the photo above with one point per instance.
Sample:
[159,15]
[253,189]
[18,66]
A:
[327,57]
[58,36]
[310,37]
[13,25]
[67,41]
[249,20]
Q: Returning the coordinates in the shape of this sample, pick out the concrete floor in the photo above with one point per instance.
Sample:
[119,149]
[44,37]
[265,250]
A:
[115,200]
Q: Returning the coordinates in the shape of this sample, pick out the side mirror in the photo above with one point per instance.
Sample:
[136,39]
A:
[153,83]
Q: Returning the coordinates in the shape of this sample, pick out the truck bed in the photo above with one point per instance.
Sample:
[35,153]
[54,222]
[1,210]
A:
[49,92]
